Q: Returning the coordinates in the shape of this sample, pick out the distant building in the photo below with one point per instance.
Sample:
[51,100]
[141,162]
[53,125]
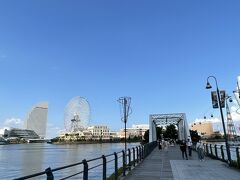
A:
[114,135]
[135,130]
[3,132]
[99,132]
[140,128]
[72,136]
[204,128]
[37,119]
[21,134]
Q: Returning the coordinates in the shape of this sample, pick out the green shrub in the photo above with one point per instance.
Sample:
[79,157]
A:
[112,177]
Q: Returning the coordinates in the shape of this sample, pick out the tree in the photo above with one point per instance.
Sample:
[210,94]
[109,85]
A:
[171,132]
[159,132]
[194,136]
[146,136]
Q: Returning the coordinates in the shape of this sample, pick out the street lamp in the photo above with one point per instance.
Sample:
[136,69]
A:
[208,86]
[125,103]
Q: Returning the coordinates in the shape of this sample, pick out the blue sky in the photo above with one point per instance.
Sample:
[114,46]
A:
[157,52]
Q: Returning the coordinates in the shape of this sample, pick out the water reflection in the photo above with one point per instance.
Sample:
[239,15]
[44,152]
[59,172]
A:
[31,159]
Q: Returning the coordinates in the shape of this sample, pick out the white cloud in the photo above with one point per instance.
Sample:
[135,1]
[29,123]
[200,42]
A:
[14,122]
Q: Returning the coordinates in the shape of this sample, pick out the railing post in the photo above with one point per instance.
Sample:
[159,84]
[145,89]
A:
[137,155]
[147,148]
[133,157]
[140,152]
[222,153]
[116,166]
[143,151]
[238,158]
[85,170]
[49,174]
[129,159]
[211,150]
[124,163]
[207,150]
[104,167]
[215,147]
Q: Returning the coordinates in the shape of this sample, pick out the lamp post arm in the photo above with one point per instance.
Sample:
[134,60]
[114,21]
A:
[214,79]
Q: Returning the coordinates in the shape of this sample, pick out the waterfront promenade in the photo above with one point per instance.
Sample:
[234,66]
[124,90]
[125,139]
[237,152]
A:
[169,165]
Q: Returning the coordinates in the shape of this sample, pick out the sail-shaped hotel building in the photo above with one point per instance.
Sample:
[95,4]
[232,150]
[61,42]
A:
[37,119]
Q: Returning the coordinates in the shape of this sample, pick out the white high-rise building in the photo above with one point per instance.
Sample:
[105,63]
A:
[37,119]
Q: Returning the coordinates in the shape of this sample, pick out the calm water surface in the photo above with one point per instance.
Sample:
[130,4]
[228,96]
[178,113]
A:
[23,159]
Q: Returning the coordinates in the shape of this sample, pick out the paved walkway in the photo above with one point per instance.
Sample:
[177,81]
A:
[162,165]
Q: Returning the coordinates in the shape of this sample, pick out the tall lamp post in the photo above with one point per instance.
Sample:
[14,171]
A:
[125,103]
[208,86]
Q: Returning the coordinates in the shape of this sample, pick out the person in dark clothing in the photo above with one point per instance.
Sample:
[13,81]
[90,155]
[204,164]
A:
[183,148]
[159,144]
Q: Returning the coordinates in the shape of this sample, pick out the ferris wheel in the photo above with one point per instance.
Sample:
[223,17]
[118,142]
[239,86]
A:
[76,114]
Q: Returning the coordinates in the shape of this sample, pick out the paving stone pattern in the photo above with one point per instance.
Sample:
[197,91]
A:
[169,165]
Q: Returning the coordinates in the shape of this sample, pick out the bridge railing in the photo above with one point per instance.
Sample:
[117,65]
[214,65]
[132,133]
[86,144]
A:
[219,152]
[122,162]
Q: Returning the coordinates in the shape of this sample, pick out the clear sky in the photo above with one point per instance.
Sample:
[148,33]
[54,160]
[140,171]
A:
[157,52]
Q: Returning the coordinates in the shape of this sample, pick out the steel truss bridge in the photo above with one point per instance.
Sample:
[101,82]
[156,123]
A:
[178,119]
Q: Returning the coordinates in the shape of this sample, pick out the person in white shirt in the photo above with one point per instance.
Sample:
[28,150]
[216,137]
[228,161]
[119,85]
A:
[200,150]
[189,145]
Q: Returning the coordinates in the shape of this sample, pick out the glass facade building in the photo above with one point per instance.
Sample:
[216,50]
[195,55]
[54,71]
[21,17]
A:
[22,134]
[37,119]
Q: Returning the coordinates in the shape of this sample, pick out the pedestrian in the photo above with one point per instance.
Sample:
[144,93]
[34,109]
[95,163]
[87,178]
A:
[189,145]
[183,148]
[166,144]
[159,144]
[200,150]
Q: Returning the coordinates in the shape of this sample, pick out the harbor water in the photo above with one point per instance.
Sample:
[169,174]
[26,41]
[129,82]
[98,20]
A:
[19,160]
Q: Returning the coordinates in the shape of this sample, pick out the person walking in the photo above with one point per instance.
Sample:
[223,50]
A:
[189,145]
[183,148]
[163,144]
[159,144]
[166,144]
[200,150]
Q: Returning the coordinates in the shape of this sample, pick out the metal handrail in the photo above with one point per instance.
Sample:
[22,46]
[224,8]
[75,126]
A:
[220,153]
[130,157]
